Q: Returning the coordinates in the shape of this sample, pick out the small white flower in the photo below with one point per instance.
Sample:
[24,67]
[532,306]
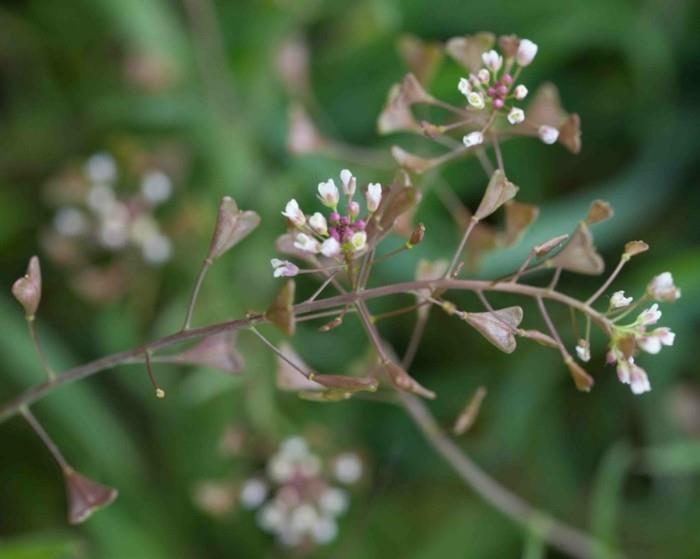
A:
[325,530]
[516,116]
[638,380]
[349,183]
[359,241]
[156,249]
[303,518]
[662,288]
[654,341]
[330,247]
[354,209]
[294,447]
[473,139]
[476,100]
[483,75]
[294,214]
[347,468]
[101,168]
[618,300]
[624,367]
[649,316]
[283,268]
[253,493]
[520,92]
[328,193]
[306,243]
[548,134]
[583,351]
[374,196]
[464,87]
[318,224]
[526,52]
[156,186]
[70,221]
[333,501]
[280,468]
[492,60]
[271,517]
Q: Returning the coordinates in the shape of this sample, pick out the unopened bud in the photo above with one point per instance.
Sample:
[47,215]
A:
[27,289]
[416,236]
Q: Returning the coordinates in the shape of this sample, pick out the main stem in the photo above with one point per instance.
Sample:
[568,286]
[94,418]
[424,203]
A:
[135,355]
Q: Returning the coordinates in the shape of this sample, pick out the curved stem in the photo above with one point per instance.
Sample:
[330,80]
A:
[134,355]
[565,538]
[195,293]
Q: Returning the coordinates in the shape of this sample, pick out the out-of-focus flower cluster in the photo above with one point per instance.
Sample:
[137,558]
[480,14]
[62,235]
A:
[296,500]
[98,214]
[628,339]
[296,495]
[105,221]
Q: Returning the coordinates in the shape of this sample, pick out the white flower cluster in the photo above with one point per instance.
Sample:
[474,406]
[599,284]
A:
[116,224]
[490,86]
[339,236]
[295,501]
[627,340]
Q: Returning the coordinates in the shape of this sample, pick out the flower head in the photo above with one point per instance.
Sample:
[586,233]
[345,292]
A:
[492,60]
[294,214]
[655,340]
[473,139]
[283,268]
[319,224]
[328,193]
[520,92]
[649,316]
[526,52]
[662,288]
[516,115]
[618,300]
[464,86]
[374,196]
[306,243]
[476,100]
[349,183]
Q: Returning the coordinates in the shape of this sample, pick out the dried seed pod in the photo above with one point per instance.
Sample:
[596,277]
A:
[411,162]
[498,192]
[509,45]
[290,379]
[468,416]
[396,116]
[498,327]
[403,381]
[467,51]
[413,92]
[280,312]
[85,496]
[27,289]
[570,133]
[217,351]
[582,379]
[417,235]
[633,248]
[548,246]
[539,337]
[580,255]
[303,137]
[600,210]
[399,198]
[345,383]
[519,217]
[422,57]
[232,226]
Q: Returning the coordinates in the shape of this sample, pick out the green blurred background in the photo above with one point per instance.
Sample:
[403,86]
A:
[126,76]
